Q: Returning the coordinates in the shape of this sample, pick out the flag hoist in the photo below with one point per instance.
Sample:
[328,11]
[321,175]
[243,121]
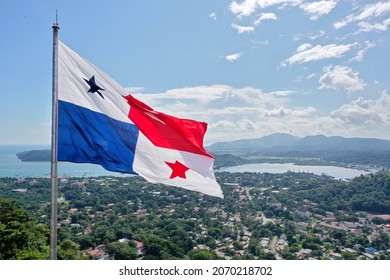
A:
[54,145]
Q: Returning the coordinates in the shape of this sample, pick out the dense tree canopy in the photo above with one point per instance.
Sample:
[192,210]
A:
[21,237]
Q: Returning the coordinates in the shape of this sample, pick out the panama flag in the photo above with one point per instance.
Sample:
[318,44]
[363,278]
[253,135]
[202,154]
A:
[99,122]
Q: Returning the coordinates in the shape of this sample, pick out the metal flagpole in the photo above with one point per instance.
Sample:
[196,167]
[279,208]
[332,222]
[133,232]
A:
[54,176]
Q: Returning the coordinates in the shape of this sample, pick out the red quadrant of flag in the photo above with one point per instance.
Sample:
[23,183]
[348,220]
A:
[166,131]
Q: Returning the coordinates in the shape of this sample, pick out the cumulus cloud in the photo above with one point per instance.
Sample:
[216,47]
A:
[260,43]
[304,112]
[233,57]
[237,113]
[365,13]
[372,114]
[249,7]
[298,112]
[213,16]
[304,47]
[245,8]
[201,94]
[277,112]
[370,27]
[307,52]
[265,16]
[310,76]
[232,113]
[281,92]
[341,78]
[135,89]
[319,35]
[246,124]
[242,29]
[314,9]
[317,9]
[361,53]
[222,124]
[214,101]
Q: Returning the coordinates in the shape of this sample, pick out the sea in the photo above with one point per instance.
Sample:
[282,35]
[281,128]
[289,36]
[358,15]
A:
[11,166]
[337,172]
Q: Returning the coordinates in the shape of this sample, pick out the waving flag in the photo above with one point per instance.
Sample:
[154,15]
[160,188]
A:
[99,122]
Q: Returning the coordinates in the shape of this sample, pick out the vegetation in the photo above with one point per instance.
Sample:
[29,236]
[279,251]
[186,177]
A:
[369,193]
[263,216]
[35,155]
[21,237]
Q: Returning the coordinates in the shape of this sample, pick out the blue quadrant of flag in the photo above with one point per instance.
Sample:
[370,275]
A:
[91,137]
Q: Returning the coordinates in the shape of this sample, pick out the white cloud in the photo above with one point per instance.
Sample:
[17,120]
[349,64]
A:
[304,47]
[246,124]
[341,78]
[213,16]
[297,113]
[201,94]
[297,37]
[317,9]
[234,111]
[223,124]
[265,16]
[281,93]
[217,99]
[260,43]
[316,36]
[277,112]
[308,53]
[245,8]
[304,112]
[249,7]
[242,29]
[237,113]
[314,9]
[366,12]
[231,113]
[310,76]
[233,57]
[267,3]
[368,27]
[372,114]
[135,89]
[360,54]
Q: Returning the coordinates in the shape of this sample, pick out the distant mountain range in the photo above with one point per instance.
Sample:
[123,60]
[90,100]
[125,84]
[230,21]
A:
[333,148]
[287,142]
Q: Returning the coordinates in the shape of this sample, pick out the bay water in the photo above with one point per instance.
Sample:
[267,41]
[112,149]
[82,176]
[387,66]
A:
[11,166]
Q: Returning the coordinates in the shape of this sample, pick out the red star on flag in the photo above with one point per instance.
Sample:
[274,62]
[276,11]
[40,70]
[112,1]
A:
[178,169]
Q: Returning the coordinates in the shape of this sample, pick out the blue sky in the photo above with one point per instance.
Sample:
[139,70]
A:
[248,68]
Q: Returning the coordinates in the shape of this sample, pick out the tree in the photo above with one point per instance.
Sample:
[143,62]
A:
[202,255]
[85,241]
[69,250]
[121,251]
[21,237]
[237,245]
[215,232]
[348,256]
[382,242]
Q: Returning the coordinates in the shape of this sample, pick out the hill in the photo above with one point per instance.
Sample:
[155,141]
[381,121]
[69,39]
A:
[287,142]
[35,155]
[334,148]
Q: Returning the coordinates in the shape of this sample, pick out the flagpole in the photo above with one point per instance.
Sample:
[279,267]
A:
[54,175]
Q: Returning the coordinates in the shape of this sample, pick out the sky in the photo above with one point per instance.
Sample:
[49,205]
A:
[249,68]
